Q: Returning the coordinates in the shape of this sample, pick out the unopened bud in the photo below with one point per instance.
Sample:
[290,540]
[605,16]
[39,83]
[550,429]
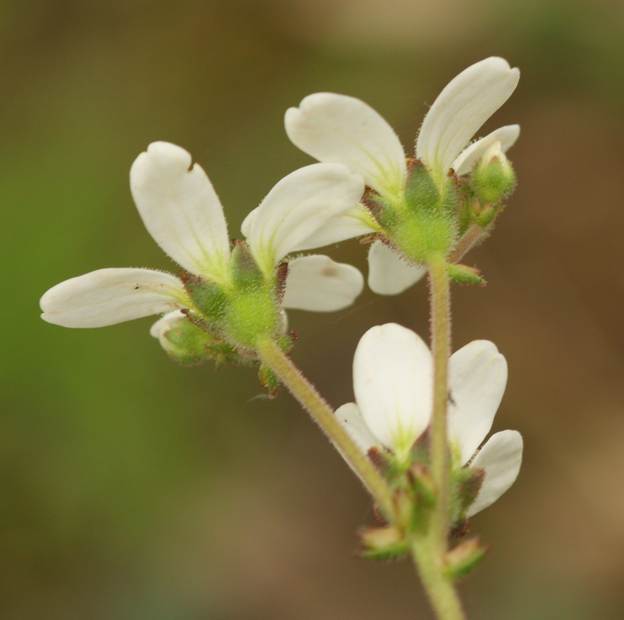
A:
[493,179]
[463,558]
[383,543]
[186,343]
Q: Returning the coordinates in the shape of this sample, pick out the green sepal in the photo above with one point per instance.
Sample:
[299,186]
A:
[269,380]
[209,298]
[421,191]
[463,274]
[466,483]
[245,271]
[383,543]
[422,484]
[463,558]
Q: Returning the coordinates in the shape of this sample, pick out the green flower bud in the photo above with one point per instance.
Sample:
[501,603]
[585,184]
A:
[383,543]
[494,178]
[462,559]
[188,344]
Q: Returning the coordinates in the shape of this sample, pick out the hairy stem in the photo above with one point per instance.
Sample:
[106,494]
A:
[441,351]
[470,239]
[428,550]
[273,356]
[439,586]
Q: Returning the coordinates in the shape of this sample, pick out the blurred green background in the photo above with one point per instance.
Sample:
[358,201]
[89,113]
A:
[135,489]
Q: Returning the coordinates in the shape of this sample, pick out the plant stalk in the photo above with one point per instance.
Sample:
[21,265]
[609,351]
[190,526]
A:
[320,411]
[441,351]
[438,585]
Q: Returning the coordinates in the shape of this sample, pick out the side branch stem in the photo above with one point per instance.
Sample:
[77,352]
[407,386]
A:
[470,239]
[320,411]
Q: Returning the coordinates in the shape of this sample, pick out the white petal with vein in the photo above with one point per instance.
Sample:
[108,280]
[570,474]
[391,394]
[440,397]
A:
[477,381]
[392,379]
[109,296]
[388,272]
[320,284]
[180,208]
[342,129]
[463,106]
[500,458]
[297,206]
[350,416]
[471,155]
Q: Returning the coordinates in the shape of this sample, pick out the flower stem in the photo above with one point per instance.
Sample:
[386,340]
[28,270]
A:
[428,551]
[470,239]
[439,586]
[441,351]
[273,356]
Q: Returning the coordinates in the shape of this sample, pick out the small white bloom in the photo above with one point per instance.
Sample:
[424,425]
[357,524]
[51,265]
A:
[341,129]
[392,376]
[182,212]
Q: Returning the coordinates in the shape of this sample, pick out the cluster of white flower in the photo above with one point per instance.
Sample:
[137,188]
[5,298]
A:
[232,295]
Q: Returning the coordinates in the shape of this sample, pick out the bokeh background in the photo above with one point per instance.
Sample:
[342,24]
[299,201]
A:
[135,489]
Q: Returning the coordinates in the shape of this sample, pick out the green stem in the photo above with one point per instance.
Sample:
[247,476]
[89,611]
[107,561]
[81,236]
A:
[470,239]
[439,586]
[441,351]
[429,550]
[273,356]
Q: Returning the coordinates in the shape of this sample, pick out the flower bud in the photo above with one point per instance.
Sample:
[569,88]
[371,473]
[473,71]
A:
[493,179]
[188,344]
[383,543]
[462,559]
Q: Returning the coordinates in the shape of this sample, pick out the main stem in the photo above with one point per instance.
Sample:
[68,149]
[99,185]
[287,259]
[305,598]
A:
[428,552]
[441,351]
[273,356]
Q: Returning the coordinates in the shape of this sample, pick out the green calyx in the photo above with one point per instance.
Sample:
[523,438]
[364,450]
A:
[241,310]
[424,223]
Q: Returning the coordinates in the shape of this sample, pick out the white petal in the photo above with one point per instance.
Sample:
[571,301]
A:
[392,379]
[109,296]
[471,155]
[477,381]
[341,129]
[350,416]
[500,458]
[388,272]
[297,207]
[166,322]
[319,284]
[355,222]
[466,102]
[180,208]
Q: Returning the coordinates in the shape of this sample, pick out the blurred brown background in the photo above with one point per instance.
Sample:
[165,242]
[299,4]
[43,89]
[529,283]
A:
[134,489]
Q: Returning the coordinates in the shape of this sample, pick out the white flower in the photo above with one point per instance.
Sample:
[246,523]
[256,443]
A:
[182,212]
[341,129]
[392,378]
